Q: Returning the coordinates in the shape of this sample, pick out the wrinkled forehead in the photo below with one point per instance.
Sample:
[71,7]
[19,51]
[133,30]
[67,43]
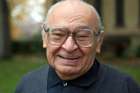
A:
[72,13]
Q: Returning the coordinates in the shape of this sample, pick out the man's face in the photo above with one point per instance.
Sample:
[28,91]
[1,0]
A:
[69,59]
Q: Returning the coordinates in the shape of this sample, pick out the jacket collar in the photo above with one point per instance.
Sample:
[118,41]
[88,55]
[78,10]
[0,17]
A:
[83,81]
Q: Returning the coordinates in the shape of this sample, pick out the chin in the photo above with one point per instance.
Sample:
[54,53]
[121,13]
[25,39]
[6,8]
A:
[68,71]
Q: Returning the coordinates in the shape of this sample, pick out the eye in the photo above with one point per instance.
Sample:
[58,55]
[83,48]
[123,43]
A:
[58,33]
[83,34]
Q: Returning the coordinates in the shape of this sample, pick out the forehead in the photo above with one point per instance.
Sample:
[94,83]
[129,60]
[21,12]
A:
[72,13]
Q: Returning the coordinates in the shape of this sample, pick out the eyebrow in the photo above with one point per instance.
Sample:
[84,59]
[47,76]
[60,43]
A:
[83,27]
[79,27]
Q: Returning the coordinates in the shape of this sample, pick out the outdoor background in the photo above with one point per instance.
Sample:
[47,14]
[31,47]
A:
[21,44]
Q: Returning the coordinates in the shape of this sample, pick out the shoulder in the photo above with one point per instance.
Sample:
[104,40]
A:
[112,74]
[113,79]
[37,74]
[33,81]
[109,72]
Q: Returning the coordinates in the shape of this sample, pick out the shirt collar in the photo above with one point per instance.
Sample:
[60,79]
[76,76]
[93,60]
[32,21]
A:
[83,81]
[53,78]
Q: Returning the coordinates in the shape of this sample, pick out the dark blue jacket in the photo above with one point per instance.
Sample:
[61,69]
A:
[100,79]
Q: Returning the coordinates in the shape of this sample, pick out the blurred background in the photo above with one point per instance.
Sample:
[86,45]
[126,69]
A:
[21,44]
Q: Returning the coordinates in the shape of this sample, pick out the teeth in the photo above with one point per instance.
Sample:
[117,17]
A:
[72,58]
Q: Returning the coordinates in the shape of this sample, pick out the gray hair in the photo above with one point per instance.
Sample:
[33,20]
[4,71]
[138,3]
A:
[100,23]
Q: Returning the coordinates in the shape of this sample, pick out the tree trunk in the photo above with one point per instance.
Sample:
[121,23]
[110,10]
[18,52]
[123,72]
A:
[5,39]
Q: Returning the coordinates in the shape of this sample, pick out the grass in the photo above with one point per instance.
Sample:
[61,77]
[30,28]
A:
[133,71]
[11,70]
[129,66]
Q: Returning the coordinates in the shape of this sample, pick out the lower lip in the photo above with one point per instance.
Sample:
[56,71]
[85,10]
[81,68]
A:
[69,61]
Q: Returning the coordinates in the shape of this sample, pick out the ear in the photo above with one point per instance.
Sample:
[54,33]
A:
[99,42]
[44,39]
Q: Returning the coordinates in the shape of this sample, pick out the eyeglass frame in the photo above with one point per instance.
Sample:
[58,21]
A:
[72,34]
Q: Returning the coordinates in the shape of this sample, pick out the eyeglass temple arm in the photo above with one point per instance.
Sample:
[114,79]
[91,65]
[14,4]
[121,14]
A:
[44,29]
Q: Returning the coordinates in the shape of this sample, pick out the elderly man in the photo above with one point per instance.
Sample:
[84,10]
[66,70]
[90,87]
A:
[72,35]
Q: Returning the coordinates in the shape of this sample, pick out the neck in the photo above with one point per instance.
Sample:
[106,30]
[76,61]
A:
[68,76]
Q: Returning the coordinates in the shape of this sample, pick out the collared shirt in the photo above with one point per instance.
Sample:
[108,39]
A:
[56,85]
[99,79]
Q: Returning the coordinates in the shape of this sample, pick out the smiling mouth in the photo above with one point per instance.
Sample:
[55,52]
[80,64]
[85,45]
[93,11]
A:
[69,58]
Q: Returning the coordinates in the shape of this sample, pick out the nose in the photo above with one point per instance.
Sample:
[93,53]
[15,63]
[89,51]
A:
[70,45]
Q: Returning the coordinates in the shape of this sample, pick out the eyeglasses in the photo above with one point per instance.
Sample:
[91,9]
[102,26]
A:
[82,36]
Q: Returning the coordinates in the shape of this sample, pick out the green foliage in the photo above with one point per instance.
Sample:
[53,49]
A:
[28,46]
[12,70]
[133,71]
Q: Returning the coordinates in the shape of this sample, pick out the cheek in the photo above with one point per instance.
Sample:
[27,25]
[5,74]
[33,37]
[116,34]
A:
[51,53]
[89,55]
[89,51]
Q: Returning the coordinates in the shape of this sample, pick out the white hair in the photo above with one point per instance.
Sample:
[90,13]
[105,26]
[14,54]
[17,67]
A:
[100,24]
